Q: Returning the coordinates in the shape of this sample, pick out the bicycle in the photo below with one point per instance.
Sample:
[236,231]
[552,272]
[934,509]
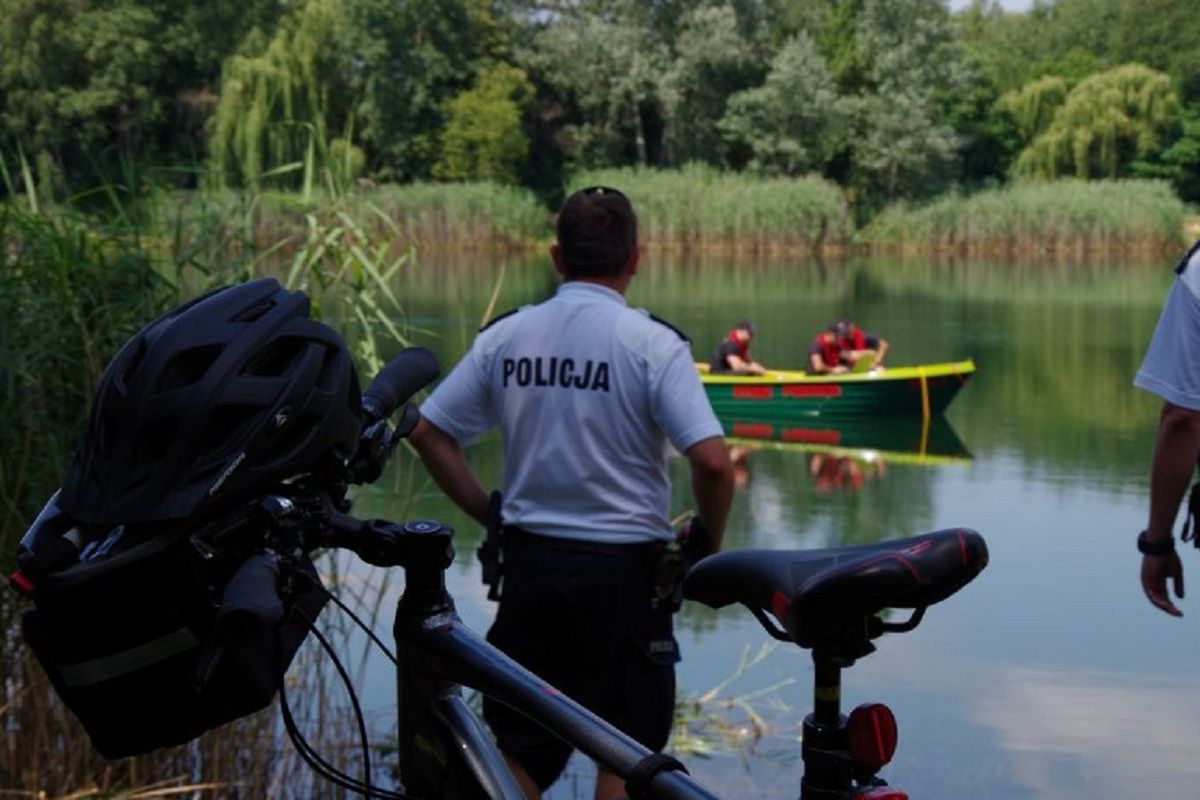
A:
[827,600]
[830,601]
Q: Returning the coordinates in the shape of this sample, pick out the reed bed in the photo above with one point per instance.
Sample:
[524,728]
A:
[72,289]
[70,293]
[697,209]
[1067,218]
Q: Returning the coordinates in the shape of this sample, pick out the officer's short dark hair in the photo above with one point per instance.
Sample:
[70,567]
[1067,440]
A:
[597,233]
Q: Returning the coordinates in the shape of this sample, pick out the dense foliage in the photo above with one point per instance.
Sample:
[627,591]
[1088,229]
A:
[889,99]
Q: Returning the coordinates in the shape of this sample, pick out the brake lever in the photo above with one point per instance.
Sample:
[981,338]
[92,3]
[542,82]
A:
[409,417]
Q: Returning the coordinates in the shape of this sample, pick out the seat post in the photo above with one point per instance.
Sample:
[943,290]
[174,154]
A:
[826,773]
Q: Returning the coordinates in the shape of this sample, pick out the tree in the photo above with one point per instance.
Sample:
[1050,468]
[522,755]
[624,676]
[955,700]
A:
[1107,122]
[485,137]
[1034,105]
[606,73]
[901,144]
[275,96]
[86,84]
[794,122]
[712,61]
[407,59]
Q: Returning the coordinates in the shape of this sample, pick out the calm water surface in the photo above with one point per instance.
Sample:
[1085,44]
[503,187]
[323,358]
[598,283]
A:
[1049,676]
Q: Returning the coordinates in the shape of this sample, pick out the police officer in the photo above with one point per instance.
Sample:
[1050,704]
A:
[587,393]
[1171,369]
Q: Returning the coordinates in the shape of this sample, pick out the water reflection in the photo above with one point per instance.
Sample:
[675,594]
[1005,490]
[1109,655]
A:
[869,440]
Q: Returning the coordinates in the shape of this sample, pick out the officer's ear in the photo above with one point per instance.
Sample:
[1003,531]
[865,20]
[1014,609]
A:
[631,266]
[556,257]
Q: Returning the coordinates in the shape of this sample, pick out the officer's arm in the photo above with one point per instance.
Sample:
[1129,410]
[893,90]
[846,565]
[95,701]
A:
[737,363]
[712,486]
[1175,451]
[446,463]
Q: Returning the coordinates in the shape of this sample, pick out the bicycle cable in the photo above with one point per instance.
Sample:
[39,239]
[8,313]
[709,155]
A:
[316,583]
[309,754]
[322,767]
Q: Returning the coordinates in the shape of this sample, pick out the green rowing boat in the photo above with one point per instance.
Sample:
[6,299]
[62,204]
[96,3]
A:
[780,395]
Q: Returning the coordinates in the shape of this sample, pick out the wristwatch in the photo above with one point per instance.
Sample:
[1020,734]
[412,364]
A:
[1162,548]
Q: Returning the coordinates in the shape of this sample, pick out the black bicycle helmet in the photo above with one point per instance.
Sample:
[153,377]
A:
[212,403]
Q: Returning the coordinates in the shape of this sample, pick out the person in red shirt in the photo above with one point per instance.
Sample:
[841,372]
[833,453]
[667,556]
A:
[732,356]
[842,345]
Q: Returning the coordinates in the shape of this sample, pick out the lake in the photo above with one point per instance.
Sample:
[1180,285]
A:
[1050,676]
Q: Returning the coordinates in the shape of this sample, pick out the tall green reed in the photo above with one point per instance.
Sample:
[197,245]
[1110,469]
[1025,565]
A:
[1066,217]
[698,208]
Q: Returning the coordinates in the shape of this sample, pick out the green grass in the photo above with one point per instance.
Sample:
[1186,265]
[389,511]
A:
[1060,217]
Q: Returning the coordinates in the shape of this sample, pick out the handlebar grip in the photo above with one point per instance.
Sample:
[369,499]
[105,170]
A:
[251,604]
[411,370]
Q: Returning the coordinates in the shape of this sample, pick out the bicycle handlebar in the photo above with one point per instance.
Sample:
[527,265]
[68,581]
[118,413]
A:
[406,374]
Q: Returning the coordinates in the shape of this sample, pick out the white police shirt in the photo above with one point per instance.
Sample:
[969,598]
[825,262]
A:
[1171,368]
[586,392]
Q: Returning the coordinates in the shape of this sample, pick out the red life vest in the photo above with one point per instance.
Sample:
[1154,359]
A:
[855,341]
[743,348]
[829,347]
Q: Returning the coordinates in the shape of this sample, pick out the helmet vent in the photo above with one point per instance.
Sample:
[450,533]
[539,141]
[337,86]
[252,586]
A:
[255,311]
[188,367]
[277,358]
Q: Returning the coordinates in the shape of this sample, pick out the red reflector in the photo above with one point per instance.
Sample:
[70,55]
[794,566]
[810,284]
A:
[800,390]
[753,392]
[881,793]
[21,583]
[872,733]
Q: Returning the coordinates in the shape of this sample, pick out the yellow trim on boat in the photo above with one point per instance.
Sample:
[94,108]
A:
[778,376]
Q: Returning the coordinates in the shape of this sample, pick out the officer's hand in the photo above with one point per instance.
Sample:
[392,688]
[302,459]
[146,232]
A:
[694,540]
[1155,571]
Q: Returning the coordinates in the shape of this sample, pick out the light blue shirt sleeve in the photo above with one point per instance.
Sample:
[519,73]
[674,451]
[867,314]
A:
[1171,367]
[459,405]
[680,404]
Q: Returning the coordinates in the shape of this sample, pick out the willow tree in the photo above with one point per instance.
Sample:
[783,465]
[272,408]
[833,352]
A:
[1033,106]
[274,105]
[1105,124]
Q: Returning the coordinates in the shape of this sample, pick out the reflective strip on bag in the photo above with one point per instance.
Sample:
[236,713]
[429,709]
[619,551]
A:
[99,670]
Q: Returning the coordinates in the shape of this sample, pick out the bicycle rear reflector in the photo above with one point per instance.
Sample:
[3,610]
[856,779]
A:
[872,734]
[882,793]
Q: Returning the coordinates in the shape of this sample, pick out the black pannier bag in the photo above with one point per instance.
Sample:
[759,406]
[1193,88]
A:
[132,640]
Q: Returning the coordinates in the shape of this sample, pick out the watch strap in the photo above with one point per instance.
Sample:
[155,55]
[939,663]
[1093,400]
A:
[1159,548]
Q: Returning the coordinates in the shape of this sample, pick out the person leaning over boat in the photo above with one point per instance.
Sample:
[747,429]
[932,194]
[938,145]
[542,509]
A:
[1171,370]
[842,345]
[587,393]
[732,356]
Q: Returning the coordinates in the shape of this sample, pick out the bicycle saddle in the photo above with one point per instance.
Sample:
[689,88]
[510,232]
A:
[819,595]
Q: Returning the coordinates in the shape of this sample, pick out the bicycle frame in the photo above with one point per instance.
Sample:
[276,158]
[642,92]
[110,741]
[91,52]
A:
[444,750]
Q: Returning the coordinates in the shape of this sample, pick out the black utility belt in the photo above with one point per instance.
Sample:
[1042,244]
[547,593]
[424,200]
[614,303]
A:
[518,538]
